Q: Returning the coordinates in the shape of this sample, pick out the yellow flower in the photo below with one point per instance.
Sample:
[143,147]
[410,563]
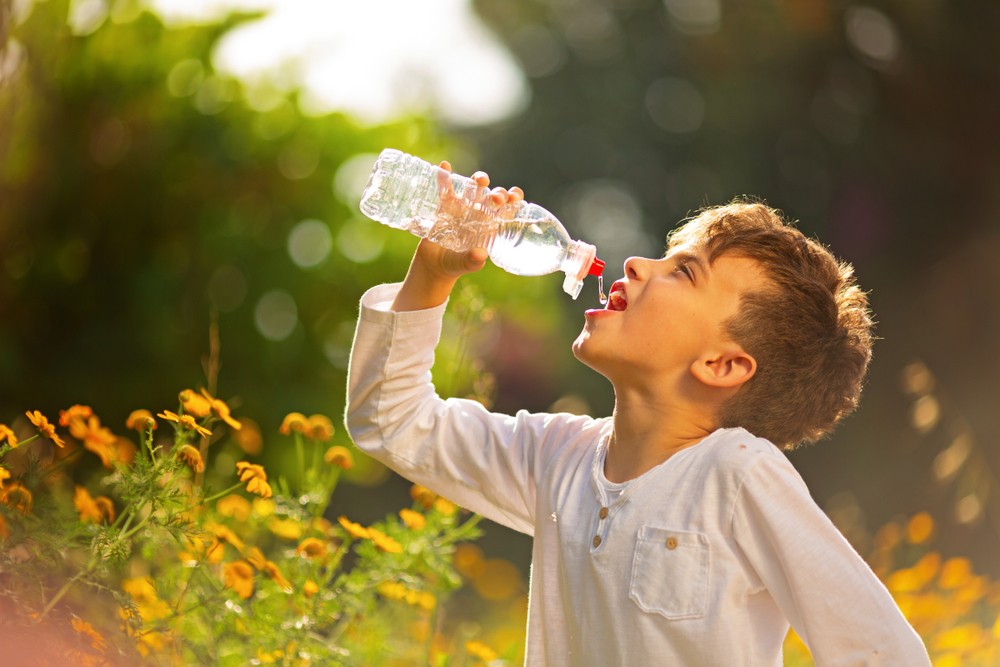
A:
[93,510]
[384,543]
[480,651]
[319,428]
[96,438]
[221,410]
[289,529]
[445,506]
[920,528]
[413,520]
[140,420]
[256,558]
[186,421]
[44,427]
[238,575]
[235,506]
[224,535]
[4,476]
[8,435]
[294,421]
[355,530]
[423,496]
[271,570]
[194,404]
[392,590]
[255,477]
[310,588]
[75,412]
[311,547]
[192,457]
[248,437]
[340,457]
[143,594]
[18,497]
[86,629]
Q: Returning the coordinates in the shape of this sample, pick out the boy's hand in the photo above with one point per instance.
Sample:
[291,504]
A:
[434,270]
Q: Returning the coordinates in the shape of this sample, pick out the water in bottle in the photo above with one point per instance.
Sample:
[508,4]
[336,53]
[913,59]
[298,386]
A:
[408,193]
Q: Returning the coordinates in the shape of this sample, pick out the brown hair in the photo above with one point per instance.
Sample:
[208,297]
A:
[810,331]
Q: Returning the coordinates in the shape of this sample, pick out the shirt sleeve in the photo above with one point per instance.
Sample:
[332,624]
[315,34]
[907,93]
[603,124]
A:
[830,596]
[480,460]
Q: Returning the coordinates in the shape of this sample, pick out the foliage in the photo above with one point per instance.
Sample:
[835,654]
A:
[144,564]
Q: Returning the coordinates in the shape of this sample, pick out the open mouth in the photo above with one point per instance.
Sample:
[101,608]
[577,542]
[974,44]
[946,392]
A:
[616,297]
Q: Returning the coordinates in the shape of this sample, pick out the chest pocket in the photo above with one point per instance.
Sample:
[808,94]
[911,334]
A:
[670,573]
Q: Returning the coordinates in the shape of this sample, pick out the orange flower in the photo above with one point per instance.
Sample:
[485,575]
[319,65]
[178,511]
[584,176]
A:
[413,520]
[75,412]
[310,588]
[86,629]
[86,506]
[294,421]
[319,428]
[238,575]
[46,429]
[256,558]
[194,404]
[423,496]
[311,547]
[222,534]
[186,421]
[192,457]
[4,476]
[235,506]
[221,410]
[355,530]
[18,497]
[8,435]
[248,437]
[272,571]
[140,420]
[255,477]
[384,542]
[340,457]
[96,438]
[480,651]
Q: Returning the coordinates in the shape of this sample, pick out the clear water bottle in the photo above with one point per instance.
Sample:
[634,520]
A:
[408,193]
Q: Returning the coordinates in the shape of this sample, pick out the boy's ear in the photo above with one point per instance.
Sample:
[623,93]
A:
[726,369]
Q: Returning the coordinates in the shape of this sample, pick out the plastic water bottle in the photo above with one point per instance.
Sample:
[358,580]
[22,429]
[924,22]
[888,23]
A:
[408,193]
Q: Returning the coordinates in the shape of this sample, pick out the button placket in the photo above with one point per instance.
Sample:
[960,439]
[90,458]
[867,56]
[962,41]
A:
[601,533]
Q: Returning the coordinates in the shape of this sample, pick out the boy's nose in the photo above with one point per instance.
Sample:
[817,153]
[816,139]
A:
[637,268]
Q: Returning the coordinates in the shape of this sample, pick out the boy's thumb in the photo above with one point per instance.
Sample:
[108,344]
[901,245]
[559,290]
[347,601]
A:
[475,259]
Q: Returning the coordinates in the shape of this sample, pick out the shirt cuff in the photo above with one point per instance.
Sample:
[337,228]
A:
[376,306]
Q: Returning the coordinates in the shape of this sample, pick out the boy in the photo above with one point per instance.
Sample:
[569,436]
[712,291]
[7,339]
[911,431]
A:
[674,532]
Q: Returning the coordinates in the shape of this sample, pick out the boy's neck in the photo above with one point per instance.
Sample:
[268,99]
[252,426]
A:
[643,437]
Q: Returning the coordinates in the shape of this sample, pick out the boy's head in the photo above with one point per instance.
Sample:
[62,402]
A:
[809,329]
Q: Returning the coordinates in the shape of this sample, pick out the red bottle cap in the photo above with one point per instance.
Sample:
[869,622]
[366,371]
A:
[596,267]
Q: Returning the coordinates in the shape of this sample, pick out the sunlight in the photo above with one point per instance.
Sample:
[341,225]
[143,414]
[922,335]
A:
[374,60]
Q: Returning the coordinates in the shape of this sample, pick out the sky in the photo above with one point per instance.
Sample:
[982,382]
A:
[374,59]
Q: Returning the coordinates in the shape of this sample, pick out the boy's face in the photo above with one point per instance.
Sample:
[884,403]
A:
[665,315]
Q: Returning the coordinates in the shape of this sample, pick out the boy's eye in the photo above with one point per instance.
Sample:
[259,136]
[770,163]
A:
[684,268]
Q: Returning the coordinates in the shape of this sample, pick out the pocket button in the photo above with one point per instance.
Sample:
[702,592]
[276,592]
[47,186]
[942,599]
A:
[671,543]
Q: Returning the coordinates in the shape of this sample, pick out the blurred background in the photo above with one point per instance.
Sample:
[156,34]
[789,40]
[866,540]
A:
[173,168]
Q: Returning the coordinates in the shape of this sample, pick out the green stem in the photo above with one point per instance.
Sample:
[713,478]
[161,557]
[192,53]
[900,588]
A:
[222,493]
[302,464]
[65,589]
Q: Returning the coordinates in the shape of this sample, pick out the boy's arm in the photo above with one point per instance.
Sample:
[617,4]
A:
[830,596]
[482,461]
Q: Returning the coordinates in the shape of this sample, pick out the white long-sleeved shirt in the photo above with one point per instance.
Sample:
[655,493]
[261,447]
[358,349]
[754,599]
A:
[703,560]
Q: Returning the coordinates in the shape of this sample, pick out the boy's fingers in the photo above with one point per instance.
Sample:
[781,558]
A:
[499,196]
[516,194]
[475,259]
[481,178]
[445,165]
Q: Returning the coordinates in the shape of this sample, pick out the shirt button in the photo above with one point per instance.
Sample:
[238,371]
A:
[603,513]
[671,543]
[597,541]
